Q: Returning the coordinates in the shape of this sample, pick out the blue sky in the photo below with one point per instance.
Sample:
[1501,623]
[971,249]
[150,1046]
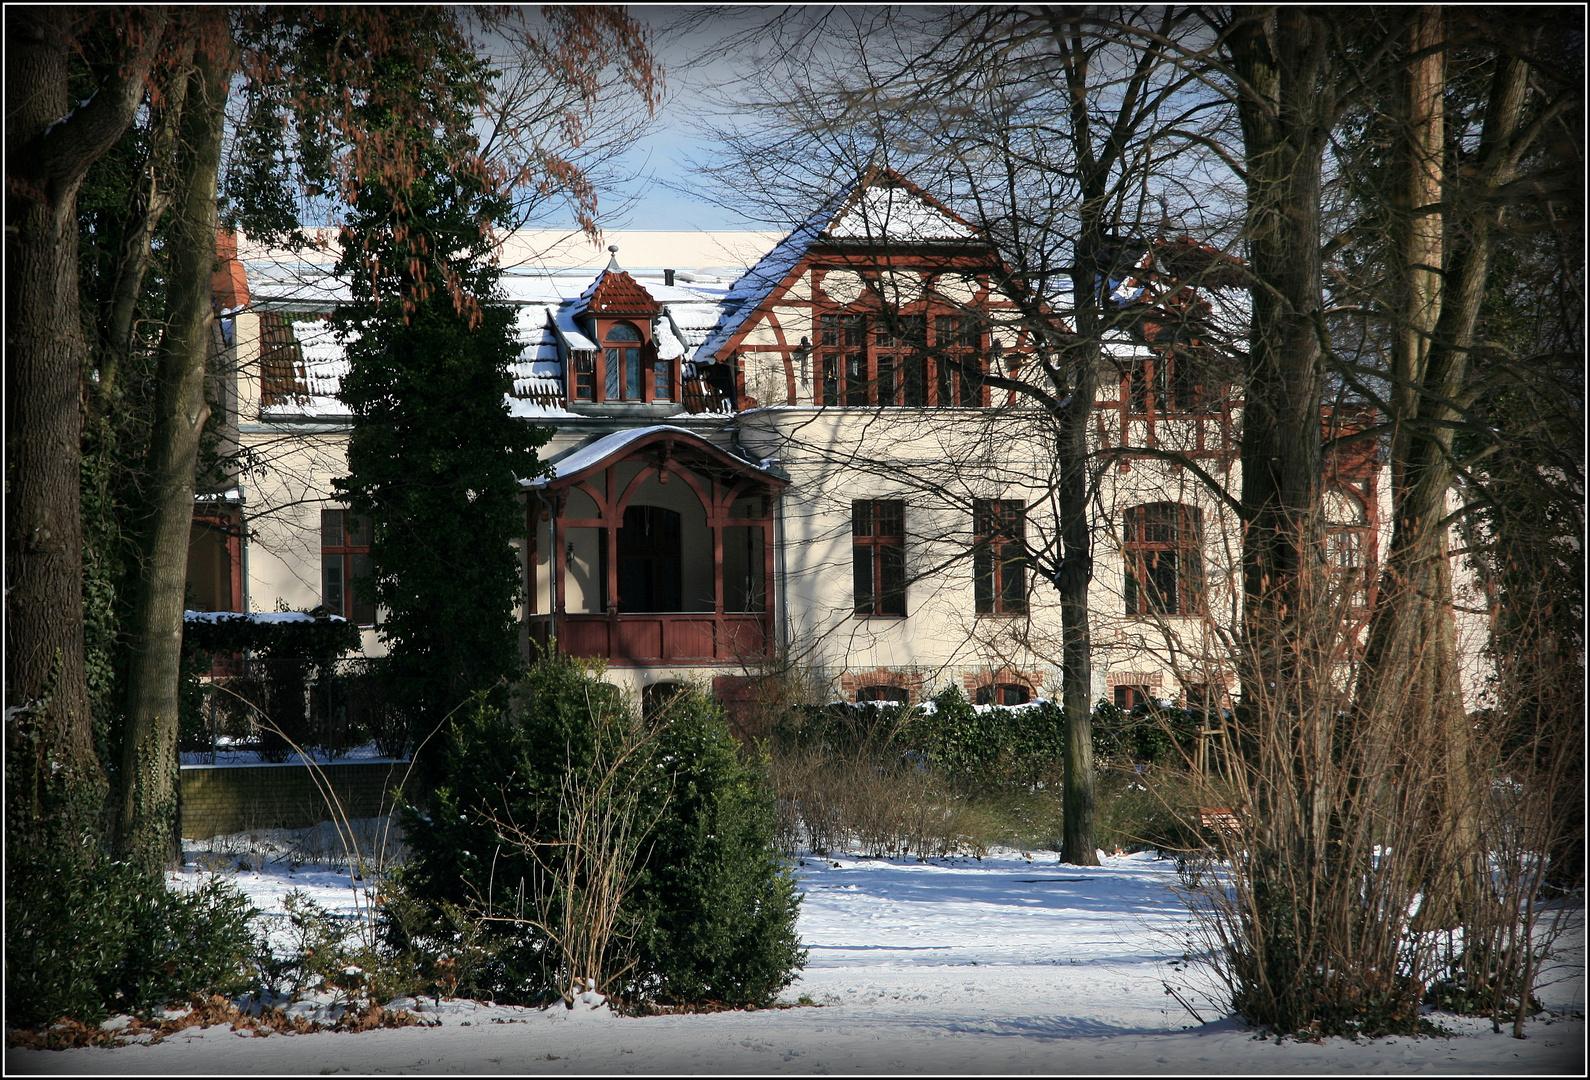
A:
[662,158]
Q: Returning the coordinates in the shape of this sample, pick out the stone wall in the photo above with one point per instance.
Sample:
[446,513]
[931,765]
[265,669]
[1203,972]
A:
[219,799]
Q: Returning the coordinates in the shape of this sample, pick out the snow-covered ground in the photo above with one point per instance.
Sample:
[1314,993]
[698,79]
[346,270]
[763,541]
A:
[1010,964]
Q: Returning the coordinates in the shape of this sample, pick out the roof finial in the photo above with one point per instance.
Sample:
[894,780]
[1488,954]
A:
[612,263]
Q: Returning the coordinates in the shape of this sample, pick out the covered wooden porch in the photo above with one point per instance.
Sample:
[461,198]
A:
[653,546]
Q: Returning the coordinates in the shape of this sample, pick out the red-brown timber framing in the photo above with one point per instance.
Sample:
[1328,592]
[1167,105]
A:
[949,371]
[650,639]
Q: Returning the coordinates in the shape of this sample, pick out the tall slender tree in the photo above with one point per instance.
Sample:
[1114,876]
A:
[435,456]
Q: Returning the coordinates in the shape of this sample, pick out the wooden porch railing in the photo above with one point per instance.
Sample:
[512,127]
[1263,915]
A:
[659,638]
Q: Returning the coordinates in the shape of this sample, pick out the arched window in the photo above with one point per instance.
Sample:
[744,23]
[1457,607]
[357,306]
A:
[623,364]
[1003,694]
[1163,549]
[895,694]
[655,698]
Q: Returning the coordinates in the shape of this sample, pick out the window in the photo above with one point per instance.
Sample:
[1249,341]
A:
[1003,694]
[623,364]
[877,531]
[1165,383]
[960,370]
[1349,541]
[584,375]
[345,562]
[888,361]
[999,556]
[1201,698]
[656,697]
[1128,698]
[1164,560]
[895,694]
[844,372]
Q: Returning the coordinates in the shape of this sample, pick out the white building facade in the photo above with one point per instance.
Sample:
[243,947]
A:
[792,468]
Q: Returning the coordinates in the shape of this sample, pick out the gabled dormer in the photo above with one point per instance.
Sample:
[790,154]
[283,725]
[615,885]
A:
[623,365]
[883,298]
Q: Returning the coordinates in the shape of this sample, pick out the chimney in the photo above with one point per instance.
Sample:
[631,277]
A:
[668,277]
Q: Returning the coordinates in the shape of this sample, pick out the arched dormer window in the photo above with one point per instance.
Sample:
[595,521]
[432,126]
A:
[631,370]
[622,348]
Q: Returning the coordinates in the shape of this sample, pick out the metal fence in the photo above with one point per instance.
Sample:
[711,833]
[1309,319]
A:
[273,705]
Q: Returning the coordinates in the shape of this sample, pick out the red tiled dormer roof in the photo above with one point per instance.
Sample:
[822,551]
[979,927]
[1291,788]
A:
[616,293]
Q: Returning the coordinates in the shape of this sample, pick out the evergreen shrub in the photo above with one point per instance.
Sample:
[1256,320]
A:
[709,913]
[86,941]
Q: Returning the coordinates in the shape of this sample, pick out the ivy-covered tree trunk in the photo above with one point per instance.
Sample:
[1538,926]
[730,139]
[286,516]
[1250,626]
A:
[147,805]
[55,785]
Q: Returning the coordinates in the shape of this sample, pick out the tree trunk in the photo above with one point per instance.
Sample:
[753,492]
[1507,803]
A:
[1410,664]
[118,310]
[55,782]
[1286,718]
[144,827]
[1079,844]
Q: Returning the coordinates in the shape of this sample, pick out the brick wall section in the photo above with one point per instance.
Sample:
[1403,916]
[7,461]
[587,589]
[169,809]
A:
[1032,680]
[909,681]
[235,798]
[1135,678]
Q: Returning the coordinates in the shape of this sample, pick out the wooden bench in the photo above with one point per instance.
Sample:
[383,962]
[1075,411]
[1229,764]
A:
[1221,819]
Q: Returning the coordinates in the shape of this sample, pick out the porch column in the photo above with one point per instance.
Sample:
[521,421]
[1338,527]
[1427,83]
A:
[612,513]
[559,563]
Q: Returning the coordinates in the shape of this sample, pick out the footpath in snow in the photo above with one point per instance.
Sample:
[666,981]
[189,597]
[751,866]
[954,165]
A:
[1004,965]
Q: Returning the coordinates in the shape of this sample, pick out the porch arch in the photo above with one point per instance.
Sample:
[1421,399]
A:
[721,606]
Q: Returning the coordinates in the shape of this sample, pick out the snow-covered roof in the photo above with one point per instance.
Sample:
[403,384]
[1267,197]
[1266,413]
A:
[600,449]
[890,212]
[880,207]
[257,617]
[547,324]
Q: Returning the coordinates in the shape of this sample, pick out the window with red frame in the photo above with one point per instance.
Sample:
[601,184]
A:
[843,339]
[877,531]
[1128,698]
[1003,694]
[345,566]
[623,361]
[960,368]
[887,360]
[999,556]
[1165,383]
[1162,545]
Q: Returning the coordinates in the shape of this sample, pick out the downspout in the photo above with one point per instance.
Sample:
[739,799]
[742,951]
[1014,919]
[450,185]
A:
[552,566]
[242,544]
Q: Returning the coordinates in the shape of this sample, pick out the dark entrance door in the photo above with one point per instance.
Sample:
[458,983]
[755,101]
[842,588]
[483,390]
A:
[648,560]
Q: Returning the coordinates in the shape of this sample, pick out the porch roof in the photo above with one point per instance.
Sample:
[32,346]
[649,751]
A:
[598,453]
